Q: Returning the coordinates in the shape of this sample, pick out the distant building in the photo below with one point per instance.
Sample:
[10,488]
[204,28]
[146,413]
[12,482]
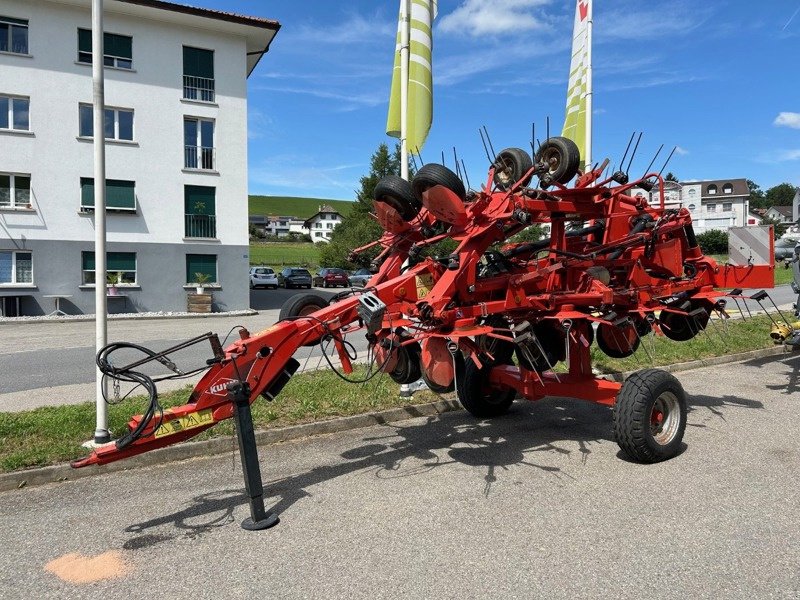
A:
[322,224]
[714,204]
[754,218]
[781,214]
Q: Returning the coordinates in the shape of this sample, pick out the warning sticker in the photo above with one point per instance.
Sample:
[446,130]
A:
[190,421]
[424,285]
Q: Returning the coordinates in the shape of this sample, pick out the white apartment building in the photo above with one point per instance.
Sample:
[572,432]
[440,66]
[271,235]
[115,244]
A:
[176,153]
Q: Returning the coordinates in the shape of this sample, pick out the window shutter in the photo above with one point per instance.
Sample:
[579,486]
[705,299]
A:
[87,192]
[14,21]
[118,45]
[119,194]
[87,261]
[85,40]
[198,62]
[201,263]
[199,200]
[121,261]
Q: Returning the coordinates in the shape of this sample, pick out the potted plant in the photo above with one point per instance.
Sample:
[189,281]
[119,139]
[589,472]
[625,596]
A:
[112,279]
[200,279]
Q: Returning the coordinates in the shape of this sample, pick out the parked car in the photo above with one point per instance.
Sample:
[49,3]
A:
[784,249]
[360,277]
[331,278]
[263,277]
[292,277]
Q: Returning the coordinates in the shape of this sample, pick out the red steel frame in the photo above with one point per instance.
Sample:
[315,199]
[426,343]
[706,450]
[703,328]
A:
[432,300]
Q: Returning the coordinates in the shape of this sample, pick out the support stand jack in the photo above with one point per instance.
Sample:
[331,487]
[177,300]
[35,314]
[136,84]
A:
[259,517]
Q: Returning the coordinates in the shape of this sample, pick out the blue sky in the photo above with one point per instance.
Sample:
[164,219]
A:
[721,80]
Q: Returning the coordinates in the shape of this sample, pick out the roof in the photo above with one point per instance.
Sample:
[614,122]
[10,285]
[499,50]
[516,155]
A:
[259,38]
[324,209]
[739,187]
[786,211]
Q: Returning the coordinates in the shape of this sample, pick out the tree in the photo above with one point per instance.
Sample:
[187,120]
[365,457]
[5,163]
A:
[781,195]
[757,199]
[359,227]
[713,241]
[671,177]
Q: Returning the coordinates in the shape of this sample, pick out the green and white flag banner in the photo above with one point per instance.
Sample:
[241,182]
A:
[577,120]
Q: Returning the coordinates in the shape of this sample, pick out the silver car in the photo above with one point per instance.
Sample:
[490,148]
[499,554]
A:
[263,277]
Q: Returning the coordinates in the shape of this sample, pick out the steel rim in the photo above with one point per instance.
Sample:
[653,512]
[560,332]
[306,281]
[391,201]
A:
[665,418]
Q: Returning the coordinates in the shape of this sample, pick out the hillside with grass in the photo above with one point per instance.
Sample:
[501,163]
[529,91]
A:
[294,206]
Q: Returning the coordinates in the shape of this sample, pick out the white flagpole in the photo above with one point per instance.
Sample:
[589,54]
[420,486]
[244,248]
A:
[589,86]
[405,44]
[101,433]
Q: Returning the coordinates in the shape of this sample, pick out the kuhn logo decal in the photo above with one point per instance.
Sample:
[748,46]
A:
[221,388]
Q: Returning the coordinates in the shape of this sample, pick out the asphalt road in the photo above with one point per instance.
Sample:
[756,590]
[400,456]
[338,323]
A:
[536,504]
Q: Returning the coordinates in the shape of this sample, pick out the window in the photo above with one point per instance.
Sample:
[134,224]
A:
[14,113]
[16,267]
[727,188]
[712,208]
[692,192]
[117,49]
[712,190]
[198,74]
[13,35]
[329,225]
[198,140]
[727,206]
[201,263]
[317,225]
[118,123]
[15,191]
[318,234]
[200,216]
[120,268]
[692,207]
[120,195]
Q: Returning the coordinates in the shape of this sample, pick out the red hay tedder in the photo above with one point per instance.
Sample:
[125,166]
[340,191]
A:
[492,320]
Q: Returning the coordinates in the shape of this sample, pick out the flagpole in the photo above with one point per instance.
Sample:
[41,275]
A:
[588,159]
[404,50]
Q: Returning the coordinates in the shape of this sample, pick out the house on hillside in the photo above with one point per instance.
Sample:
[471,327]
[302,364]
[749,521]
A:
[322,224]
[176,152]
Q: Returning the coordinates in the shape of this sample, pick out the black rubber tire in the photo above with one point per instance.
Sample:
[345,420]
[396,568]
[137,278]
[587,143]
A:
[433,174]
[397,193]
[408,369]
[681,328]
[562,157]
[510,166]
[476,399]
[300,303]
[613,344]
[632,423]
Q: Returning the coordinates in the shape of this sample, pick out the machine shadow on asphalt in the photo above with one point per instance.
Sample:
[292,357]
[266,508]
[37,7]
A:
[792,383]
[554,426]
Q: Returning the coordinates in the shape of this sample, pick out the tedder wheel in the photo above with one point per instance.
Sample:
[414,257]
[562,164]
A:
[510,166]
[650,416]
[408,368]
[442,389]
[617,341]
[681,328]
[433,174]
[300,305]
[478,397]
[561,157]
[397,193]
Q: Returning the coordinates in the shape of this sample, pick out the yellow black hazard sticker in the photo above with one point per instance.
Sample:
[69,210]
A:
[424,285]
[190,421]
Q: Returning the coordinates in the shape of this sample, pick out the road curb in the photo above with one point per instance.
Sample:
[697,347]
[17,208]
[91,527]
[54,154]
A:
[188,450]
[127,317]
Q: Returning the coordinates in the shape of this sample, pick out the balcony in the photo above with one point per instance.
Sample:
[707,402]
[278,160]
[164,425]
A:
[203,159]
[198,88]
[201,226]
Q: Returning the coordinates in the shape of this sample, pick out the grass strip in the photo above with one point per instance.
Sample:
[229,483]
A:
[54,434]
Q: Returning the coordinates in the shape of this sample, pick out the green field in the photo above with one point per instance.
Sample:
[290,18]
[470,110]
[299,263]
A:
[284,254]
[296,207]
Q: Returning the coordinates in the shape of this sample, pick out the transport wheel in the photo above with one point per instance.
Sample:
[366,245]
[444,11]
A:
[300,305]
[561,158]
[617,341]
[433,174]
[650,416]
[397,193]
[510,166]
[478,397]
[681,328]
[408,369]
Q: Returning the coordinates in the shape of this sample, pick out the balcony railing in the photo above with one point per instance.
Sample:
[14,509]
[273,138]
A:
[201,226]
[198,88]
[195,157]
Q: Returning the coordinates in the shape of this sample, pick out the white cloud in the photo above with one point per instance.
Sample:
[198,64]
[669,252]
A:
[629,22]
[788,119]
[599,111]
[787,155]
[681,151]
[302,176]
[493,17]
[356,30]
